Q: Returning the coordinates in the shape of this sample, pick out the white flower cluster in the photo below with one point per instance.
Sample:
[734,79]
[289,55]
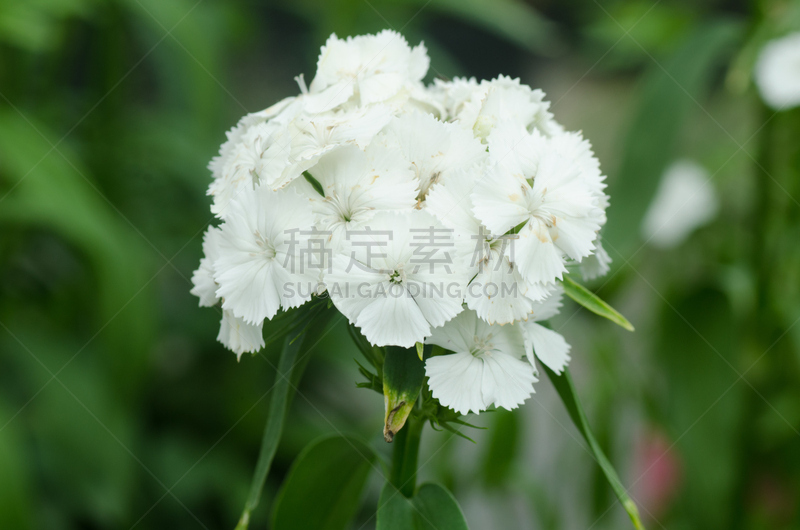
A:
[443,214]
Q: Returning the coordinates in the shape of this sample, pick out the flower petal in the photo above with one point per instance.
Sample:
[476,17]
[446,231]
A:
[240,336]
[455,380]
[549,346]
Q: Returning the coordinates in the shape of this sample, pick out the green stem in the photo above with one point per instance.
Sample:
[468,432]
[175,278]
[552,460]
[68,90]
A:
[405,455]
[290,367]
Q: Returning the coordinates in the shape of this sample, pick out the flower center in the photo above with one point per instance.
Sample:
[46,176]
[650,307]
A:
[482,345]
[340,207]
[264,245]
[398,276]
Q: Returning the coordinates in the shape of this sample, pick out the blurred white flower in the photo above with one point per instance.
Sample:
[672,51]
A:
[260,267]
[240,336]
[685,200]
[398,278]
[777,72]
[484,369]
[545,344]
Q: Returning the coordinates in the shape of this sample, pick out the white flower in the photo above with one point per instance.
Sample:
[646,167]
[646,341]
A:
[233,136]
[684,201]
[497,291]
[256,153]
[374,68]
[356,185]
[596,265]
[777,72]
[434,148]
[548,346]
[261,266]
[545,189]
[205,288]
[398,279]
[240,336]
[453,94]
[246,154]
[485,368]
[438,212]
[502,101]
[311,137]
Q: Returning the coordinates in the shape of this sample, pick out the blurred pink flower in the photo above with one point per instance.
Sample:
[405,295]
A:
[657,472]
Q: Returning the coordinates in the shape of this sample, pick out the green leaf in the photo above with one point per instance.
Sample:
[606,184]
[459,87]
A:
[403,373]
[594,303]
[432,508]
[437,509]
[514,20]
[288,367]
[16,506]
[566,390]
[394,510]
[324,485]
[501,451]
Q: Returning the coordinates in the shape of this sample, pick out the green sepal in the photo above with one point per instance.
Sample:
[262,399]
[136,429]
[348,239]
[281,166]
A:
[403,375]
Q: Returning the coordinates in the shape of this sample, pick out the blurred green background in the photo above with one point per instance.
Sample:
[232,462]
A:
[118,409]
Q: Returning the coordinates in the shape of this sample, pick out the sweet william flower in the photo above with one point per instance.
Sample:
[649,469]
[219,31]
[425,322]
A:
[240,336]
[433,148]
[596,265]
[548,197]
[254,147]
[308,138]
[356,185]
[398,278]
[541,342]
[485,369]
[497,292]
[452,95]
[501,101]
[205,288]
[372,68]
[261,267]
[418,201]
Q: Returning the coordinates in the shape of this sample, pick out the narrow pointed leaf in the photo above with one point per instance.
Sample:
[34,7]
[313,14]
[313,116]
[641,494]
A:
[324,485]
[594,303]
[290,364]
[566,390]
